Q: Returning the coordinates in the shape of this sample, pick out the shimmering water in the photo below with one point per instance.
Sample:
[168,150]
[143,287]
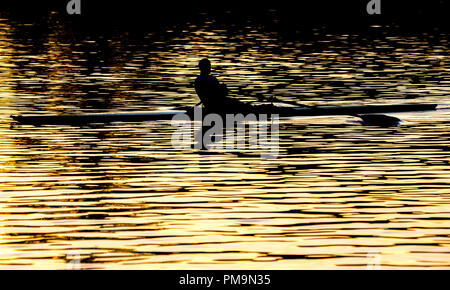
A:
[340,195]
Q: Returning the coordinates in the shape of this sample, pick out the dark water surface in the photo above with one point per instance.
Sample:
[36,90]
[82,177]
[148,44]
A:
[339,195]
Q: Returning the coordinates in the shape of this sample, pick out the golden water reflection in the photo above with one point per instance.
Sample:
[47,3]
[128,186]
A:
[122,197]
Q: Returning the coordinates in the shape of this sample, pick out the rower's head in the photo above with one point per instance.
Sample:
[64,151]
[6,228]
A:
[205,66]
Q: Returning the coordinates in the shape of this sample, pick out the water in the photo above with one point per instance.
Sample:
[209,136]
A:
[339,195]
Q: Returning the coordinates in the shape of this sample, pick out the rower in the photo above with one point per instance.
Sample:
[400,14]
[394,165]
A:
[214,95]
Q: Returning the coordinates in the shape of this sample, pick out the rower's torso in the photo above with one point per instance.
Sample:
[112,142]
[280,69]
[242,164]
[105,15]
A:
[208,90]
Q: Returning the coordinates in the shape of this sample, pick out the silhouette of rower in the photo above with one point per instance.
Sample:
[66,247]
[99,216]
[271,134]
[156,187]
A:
[214,95]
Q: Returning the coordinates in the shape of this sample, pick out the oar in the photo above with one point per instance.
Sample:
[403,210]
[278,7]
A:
[262,98]
[371,120]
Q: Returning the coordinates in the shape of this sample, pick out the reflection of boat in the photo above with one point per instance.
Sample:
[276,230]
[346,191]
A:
[261,109]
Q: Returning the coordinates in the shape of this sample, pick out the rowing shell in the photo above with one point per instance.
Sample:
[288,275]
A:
[79,119]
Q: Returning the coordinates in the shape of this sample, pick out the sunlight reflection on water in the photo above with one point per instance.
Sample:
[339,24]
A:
[122,197]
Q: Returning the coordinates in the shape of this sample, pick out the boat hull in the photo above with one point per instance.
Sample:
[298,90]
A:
[78,119]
